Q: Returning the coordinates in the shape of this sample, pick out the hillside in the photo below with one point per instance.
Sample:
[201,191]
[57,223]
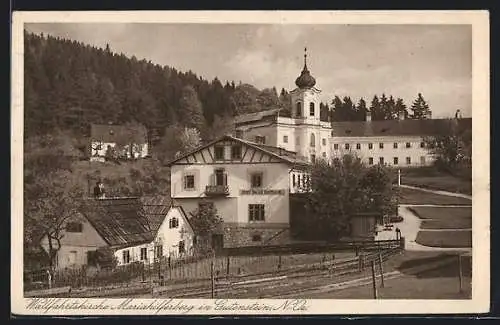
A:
[69,85]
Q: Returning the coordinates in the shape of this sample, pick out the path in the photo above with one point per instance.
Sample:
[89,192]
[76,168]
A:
[410,226]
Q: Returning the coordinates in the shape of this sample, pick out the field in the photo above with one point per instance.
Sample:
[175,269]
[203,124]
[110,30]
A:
[444,218]
[447,239]
[432,179]
[410,196]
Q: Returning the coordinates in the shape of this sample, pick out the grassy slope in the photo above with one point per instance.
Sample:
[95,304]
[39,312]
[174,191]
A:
[444,218]
[431,178]
[451,239]
[409,196]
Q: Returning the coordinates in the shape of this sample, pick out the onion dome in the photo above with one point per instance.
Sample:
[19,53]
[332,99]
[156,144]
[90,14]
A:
[305,80]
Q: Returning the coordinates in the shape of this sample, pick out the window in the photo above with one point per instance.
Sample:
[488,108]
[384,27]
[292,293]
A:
[313,140]
[285,139]
[260,139]
[126,256]
[74,227]
[219,152]
[299,109]
[395,145]
[144,253]
[256,212]
[72,257]
[293,180]
[370,161]
[158,251]
[256,237]
[236,152]
[422,160]
[358,146]
[396,160]
[189,182]
[323,141]
[346,146]
[408,160]
[313,158]
[182,247]
[370,145]
[298,180]
[324,154]
[336,146]
[381,145]
[381,160]
[422,144]
[408,145]
[173,223]
[311,109]
[256,180]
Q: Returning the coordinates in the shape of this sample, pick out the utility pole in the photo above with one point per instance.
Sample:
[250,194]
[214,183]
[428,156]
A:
[374,282]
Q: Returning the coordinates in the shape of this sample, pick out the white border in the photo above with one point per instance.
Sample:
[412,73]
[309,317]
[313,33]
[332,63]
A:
[480,103]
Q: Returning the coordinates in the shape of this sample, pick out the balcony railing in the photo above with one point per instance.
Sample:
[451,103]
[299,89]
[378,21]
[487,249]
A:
[217,190]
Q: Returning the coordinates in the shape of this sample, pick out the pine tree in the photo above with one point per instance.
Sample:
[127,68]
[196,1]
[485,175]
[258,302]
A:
[420,108]
[375,108]
[401,108]
[361,110]
[190,109]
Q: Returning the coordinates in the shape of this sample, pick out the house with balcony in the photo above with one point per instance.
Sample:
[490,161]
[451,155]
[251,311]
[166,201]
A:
[248,183]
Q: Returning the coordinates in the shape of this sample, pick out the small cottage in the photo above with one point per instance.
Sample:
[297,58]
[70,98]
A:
[135,229]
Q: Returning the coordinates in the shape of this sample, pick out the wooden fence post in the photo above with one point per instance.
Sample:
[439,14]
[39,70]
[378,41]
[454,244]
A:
[460,280]
[212,279]
[279,262]
[380,266]
[374,283]
[227,265]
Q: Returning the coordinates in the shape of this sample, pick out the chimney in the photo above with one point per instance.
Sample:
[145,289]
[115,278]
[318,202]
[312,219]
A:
[458,114]
[401,115]
[368,116]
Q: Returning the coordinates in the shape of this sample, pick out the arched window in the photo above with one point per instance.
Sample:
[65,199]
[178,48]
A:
[299,109]
[313,140]
[311,109]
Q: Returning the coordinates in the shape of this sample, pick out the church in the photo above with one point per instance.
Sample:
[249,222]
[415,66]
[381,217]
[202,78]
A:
[397,143]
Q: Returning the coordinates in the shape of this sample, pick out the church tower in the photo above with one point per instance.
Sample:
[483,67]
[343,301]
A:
[305,98]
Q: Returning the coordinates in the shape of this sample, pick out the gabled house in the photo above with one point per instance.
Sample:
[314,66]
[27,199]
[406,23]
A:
[248,183]
[130,142]
[134,230]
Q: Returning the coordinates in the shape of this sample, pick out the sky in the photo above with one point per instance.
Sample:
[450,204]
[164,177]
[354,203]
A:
[346,60]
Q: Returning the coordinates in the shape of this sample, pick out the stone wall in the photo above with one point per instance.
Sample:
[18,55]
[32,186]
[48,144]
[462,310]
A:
[255,234]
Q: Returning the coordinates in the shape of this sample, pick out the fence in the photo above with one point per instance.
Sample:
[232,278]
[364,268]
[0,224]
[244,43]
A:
[270,260]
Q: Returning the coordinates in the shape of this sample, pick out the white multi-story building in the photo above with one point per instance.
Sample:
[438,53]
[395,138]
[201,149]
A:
[248,183]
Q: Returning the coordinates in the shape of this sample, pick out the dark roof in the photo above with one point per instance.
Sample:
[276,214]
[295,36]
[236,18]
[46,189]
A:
[124,222]
[110,132]
[120,223]
[280,153]
[257,116]
[155,209]
[425,127]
